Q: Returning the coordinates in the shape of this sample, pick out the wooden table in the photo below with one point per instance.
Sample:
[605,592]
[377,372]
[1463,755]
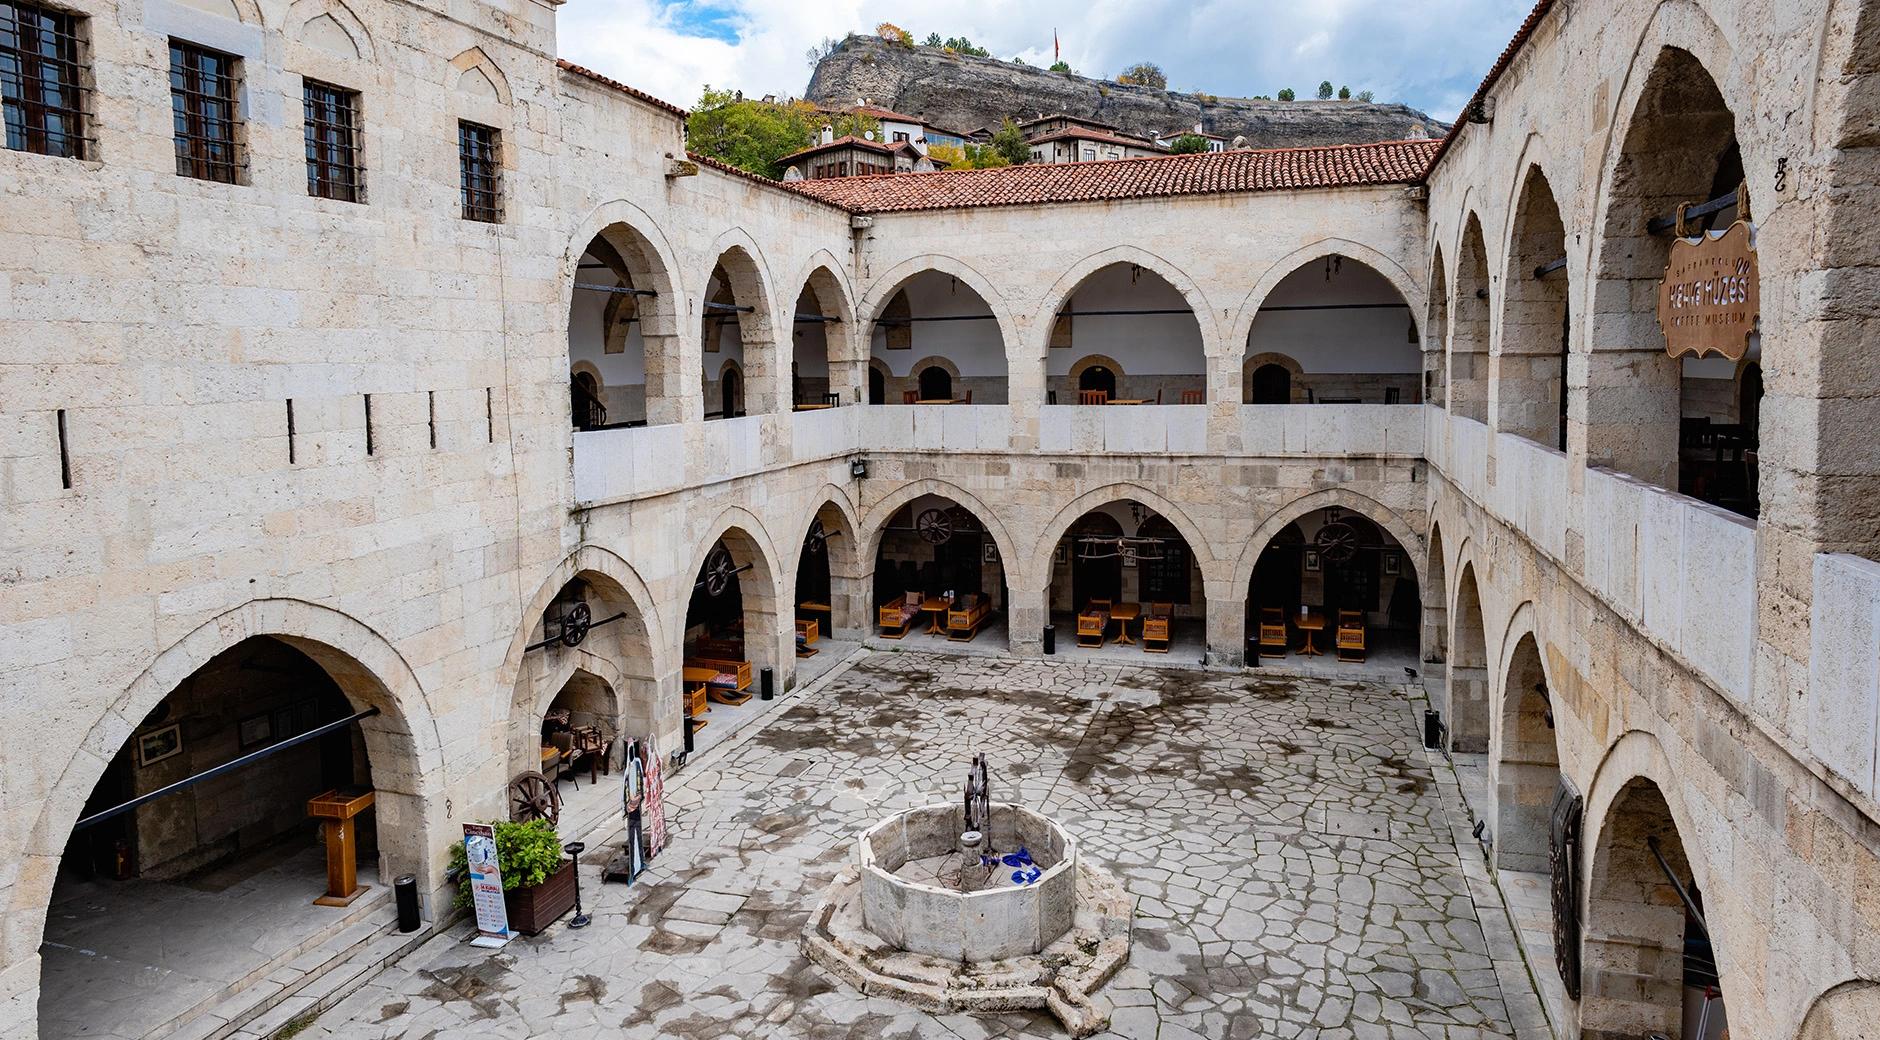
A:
[335,810]
[720,687]
[941,400]
[813,407]
[1128,400]
[937,608]
[1309,623]
[1124,613]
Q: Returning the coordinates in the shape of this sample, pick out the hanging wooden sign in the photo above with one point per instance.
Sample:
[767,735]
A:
[1709,300]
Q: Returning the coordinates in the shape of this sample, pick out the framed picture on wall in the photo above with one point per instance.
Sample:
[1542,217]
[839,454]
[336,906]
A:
[1312,560]
[158,745]
[1392,563]
[1061,555]
[989,552]
[255,730]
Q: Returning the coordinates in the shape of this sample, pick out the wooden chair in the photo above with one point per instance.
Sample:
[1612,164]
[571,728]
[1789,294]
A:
[1093,397]
[569,760]
[696,705]
[832,399]
[1158,395]
[740,669]
[910,397]
[1155,626]
[1272,632]
[1194,397]
[1092,626]
[897,615]
[807,631]
[1350,636]
[968,399]
[966,616]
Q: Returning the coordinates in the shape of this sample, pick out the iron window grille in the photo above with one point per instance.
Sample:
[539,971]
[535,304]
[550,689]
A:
[332,136]
[202,102]
[482,169]
[42,81]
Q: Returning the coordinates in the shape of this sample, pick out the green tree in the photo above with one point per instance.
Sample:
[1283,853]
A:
[1344,93]
[1365,96]
[1009,141]
[971,157]
[1061,66]
[1325,90]
[1188,144]
[751,135]
[1144,74]
[962,45]
[932,40]
[1286,94]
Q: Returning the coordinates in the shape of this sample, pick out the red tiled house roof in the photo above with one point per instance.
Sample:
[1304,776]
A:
[1207,173]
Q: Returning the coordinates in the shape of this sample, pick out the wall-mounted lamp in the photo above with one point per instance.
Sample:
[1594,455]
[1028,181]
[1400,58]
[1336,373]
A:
[858,468]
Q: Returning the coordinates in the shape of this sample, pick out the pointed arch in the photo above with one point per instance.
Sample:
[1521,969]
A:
[1389,268]
[892,281]
[1371,509]
[1123,491]
[747,276]
[1528,369]
[1436,333]
[1524,771]
[472,69]
[303,15]
[1061,290]
[1469,325]
[876,520]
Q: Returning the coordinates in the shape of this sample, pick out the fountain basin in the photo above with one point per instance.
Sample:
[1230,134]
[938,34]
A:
[1000,921]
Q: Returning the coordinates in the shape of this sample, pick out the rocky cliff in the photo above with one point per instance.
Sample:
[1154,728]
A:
[962,93]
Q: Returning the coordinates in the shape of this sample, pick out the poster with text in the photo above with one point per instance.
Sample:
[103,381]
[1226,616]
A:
[486,885]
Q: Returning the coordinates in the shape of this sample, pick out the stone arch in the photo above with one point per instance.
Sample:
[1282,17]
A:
[876,521]
[750,545]
[1198,545]
[589,559]
[625,653]
[1847,1011]
[1468,682]
[845,345]
[1435,600]
[1528,367]
[884,289]
[1436,333]
[848,571]
[1469,325]
[248,12]
[1665,145]
[474,73]
[1088,361]
[402,743]
[1389,268]
[1370,508]
[1067,283]
[315,23]
[748,277]
[1255,362]
[1633,946]
[630,239]
[1525,769]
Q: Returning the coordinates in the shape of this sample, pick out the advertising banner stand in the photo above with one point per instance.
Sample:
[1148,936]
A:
[486,886]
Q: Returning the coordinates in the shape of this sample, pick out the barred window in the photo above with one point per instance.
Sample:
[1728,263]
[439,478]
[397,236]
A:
[482,170]
[41,81]
[332,133]
[202,102]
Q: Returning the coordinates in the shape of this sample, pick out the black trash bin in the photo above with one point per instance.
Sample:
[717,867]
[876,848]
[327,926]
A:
[1050,639]
[766,685]
[1253,652]
[405,888]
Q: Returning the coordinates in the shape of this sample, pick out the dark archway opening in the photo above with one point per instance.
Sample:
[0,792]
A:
[1272,384]
[938,572]
[1123,578]
[1335,584]
[936,384]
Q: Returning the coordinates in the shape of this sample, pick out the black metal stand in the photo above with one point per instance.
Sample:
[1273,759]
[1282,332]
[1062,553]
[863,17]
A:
[574,849]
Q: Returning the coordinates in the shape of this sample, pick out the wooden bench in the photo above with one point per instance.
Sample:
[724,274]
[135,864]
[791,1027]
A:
[896,616]
[967,614]
[1272,632]
[740,669]
[1155,628]
[696,706]
[807,631]
[1091,628]
[1349,639]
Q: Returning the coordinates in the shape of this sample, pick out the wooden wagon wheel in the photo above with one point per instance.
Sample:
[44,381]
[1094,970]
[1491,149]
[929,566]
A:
[1337,541]
[533,797]
[817,539]
[934,526]
[575,624]
[719,573]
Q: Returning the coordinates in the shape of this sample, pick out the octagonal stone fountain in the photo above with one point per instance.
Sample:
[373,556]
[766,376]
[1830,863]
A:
[980,906]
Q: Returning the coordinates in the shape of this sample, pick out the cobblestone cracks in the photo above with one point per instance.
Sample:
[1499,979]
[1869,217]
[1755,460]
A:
[1292,865]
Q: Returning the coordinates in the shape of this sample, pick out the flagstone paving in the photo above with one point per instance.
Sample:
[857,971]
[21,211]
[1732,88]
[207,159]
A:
[1285,839]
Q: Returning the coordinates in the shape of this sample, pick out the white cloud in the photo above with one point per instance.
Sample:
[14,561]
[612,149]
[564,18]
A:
[1429,55]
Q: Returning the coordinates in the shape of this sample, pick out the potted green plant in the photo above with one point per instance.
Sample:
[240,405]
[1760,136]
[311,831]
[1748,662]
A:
[538,881]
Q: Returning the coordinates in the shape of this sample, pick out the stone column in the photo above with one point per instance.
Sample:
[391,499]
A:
[1025,617]
[1227,623]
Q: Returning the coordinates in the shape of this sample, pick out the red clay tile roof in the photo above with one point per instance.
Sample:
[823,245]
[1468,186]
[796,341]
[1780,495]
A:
[587,73]
[1521,36]
[742,174]
[1075,134]
[850,141]
[1067,117]
[1206,173]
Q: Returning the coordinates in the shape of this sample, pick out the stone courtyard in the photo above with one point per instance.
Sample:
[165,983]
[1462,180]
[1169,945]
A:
[1289,844]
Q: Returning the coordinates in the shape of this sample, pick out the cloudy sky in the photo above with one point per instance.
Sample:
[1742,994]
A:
[1426,53]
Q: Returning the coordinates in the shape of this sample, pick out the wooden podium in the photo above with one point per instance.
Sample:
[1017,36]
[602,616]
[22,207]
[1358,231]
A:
[335,811]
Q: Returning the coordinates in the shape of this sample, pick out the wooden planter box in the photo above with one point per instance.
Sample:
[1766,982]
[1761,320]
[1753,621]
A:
[531,910]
